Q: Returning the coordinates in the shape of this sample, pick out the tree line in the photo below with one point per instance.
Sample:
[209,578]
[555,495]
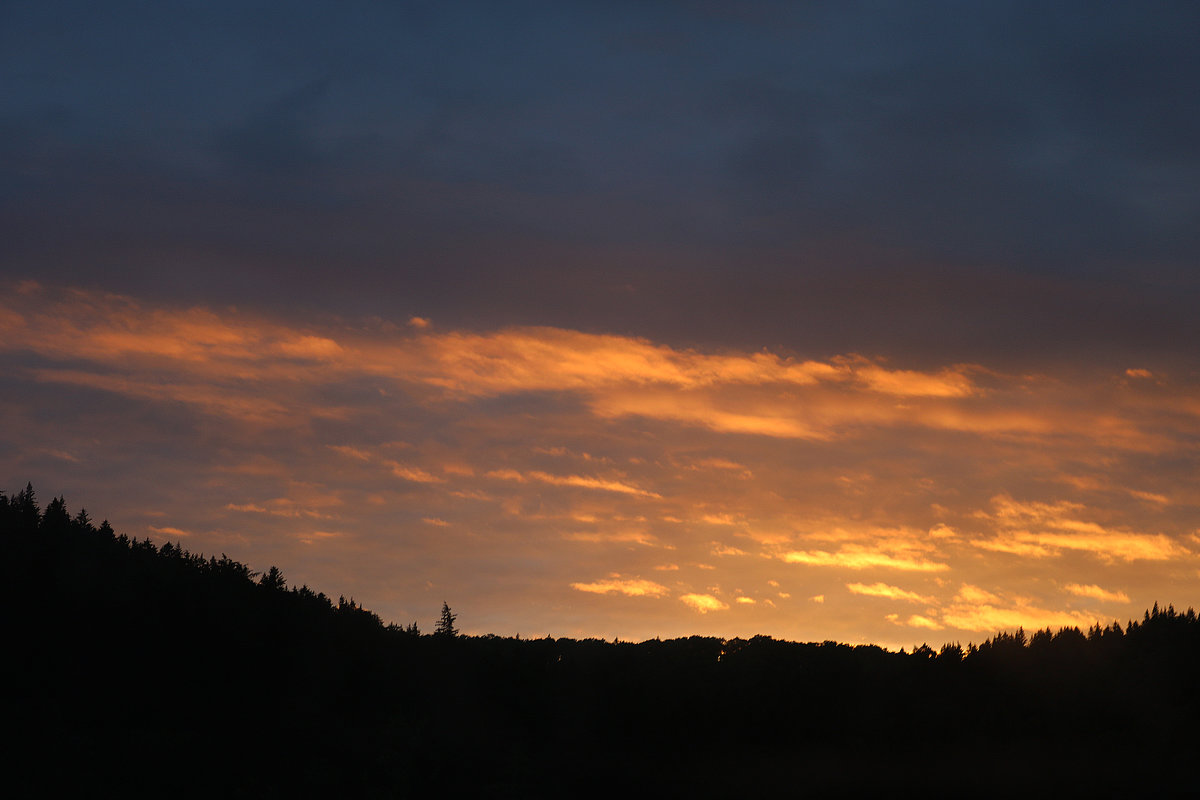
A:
[155,669]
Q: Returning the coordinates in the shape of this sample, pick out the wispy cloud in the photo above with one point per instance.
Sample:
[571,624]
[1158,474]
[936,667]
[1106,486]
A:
[857,557]
[916,621]
[1096,593]
[581,481]
[222,362]
[1057,527]
[889,592]
[633,587]
[974,609]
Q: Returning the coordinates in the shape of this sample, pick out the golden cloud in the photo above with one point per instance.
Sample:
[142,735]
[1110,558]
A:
[703,603]
[991,618]
[313,537]
[889,592]
[1105,544]
[856,557]
[974,595]
[1056,527]
[411,473]
[570,480]
[974,609]
[633,587]
[1096,593]
[280,507]
[845,462]
[169,531]
[616,537]
[223,362]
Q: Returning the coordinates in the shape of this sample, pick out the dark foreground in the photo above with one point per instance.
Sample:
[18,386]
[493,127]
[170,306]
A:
[137,670]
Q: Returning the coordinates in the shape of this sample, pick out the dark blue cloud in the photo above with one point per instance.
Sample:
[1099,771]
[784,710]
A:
[778,173]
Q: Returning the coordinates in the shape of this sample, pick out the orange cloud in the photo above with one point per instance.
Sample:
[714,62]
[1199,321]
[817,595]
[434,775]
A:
[1104,544]
[909,383]
[618,537]
[315,348]
[169,531]
[889,592]
[703,603]
[313,537]
[1096,593]
[991,618]
[975,609]
[707,411]
[280,507]
[192,352]
[976,596]
[1058,528]
[412,473]
[918,621]
[856,557]
[633,587]
[844,463]
[570,480]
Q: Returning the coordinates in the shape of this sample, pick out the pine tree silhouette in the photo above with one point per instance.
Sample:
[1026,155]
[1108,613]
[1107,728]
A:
[445,626]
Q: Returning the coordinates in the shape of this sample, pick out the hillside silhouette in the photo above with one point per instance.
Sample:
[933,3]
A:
[146,670]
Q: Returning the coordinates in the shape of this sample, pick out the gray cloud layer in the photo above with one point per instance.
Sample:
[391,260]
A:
[890,177]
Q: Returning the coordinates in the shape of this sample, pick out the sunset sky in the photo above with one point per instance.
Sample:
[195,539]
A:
[866,321]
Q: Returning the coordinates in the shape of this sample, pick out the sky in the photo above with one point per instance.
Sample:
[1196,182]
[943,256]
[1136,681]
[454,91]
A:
[863,321]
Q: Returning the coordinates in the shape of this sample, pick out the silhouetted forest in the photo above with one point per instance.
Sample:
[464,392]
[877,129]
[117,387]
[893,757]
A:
[137,669]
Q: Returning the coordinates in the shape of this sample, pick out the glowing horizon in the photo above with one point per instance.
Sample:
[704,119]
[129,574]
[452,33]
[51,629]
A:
[547,480]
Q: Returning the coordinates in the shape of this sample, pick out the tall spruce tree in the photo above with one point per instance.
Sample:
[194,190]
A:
[445,625]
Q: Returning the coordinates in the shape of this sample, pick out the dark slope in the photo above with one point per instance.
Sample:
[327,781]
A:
[143,670]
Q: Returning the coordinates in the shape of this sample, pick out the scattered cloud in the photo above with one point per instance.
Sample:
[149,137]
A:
[570,480]
[1040,530]
[918,621]
[974,609]
[1104,544]
[1096,593]
[173,533]
[889,592]
[855,557]
[633,587]
[615,537]
[597,454]
[313,537]
[703,603]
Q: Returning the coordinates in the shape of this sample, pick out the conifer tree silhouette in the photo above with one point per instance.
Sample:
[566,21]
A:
[445,626]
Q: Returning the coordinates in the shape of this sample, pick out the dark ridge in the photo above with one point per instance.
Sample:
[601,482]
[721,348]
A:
[141,670]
